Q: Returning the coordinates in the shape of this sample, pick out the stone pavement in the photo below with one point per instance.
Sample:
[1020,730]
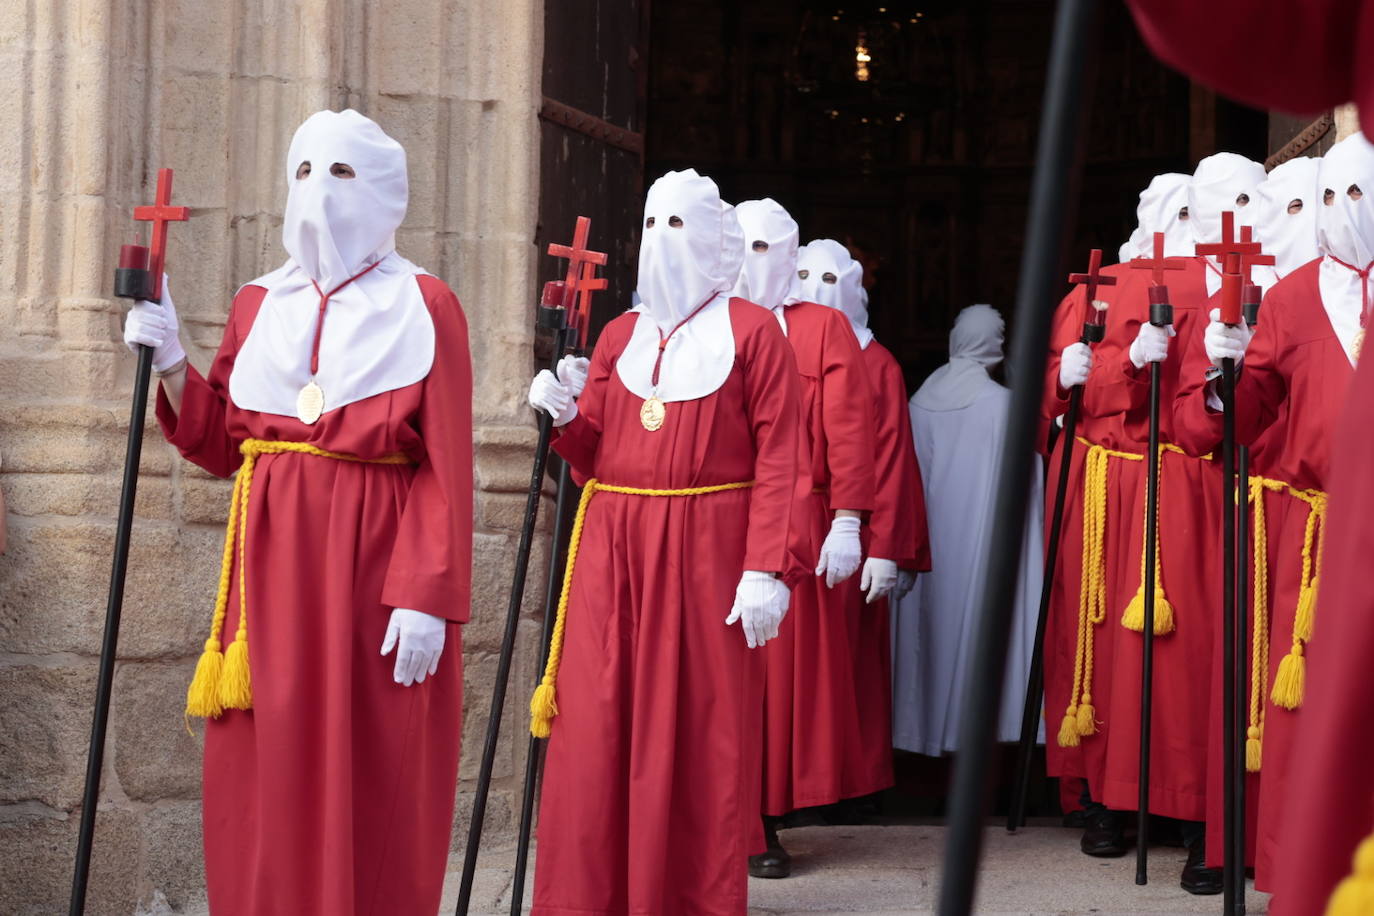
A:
[870,870]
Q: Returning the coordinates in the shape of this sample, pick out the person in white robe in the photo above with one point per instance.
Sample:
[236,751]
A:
[958,419]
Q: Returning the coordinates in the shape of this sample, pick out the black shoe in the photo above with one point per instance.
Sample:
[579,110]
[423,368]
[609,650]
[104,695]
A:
[1076,820]
[1197,877]
[1105,835]
[775,863]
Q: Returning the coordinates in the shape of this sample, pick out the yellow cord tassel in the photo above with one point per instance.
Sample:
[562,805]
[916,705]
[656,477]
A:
[1134,617]
[1080,719]
[544,703]
[1259,641]
[222,679]
[1355,895]
[1291,680]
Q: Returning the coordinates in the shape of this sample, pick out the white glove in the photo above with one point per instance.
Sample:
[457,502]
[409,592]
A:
[572,372]
[841,552]
[1225,341]
[1151,345]
[550,395]
[879,578]
[421,639]
[154,324]
[1074,365]
[761,601]
[906,581]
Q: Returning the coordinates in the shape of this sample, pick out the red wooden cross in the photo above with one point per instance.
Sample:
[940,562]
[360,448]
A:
[581,280]
[1248,261]
[1158,264]
[160,214]
[1093,279]
[1234,255]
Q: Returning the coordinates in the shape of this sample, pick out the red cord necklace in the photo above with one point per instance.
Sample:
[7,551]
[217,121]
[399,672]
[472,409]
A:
[310,401]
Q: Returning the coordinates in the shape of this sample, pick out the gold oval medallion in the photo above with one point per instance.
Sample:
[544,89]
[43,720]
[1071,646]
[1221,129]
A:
[1357,347]
[652,413]
[310,403]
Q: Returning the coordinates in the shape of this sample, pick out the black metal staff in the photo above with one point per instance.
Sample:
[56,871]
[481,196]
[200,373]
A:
[1093,331]
[1237,256]
[1161,316]
[139,276]
[982,689]
[552,314]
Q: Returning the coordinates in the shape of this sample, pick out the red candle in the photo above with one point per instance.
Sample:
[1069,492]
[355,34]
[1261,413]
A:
[133,256]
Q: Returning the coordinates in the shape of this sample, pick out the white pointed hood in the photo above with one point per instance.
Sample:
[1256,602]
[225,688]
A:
[1290,237]
[831,277]
[1221,182]
[377,335]
[975,346]
[689,260]
[771,245]
[1158,211]
[1345,231]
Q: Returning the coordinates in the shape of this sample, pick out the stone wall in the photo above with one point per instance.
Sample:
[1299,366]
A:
[100,94]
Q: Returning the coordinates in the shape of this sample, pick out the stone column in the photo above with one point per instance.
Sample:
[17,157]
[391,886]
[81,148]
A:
[100,94]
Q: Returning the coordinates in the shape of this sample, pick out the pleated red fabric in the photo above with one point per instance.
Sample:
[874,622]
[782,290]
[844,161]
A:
[334,793]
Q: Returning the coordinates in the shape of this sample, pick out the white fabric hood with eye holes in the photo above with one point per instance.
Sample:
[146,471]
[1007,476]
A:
[1158,211]
[1345,231]
[378,334]
[831,277]
[1290,237]
[1218,183]
[975,345]
[769,277]
[689,261]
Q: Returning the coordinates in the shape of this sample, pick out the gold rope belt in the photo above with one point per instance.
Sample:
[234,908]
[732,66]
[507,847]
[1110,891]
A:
[1080,719]
[544,705]
[1290,680]
[222,679]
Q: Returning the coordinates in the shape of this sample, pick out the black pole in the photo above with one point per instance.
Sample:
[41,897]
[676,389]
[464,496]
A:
[1241,690]
[534,759]
[1234,872]
[982,688]
[517,593]
[114,607]
[1161,315]
[1035,683]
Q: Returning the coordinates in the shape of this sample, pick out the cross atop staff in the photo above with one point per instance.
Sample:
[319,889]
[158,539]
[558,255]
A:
[1158,264]
[581,280]
[1093,278]
[1237,257]
[160,212]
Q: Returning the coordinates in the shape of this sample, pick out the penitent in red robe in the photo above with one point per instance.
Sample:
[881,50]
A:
[1330,804]
[651,792]
[334,793]
[1116,417]
[1296,372]
[896,531]
[811,713]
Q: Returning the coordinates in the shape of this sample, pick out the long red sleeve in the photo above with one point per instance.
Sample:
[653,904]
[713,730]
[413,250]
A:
[773,401]
[846,417]
[198,430]
[898,523]
[576,442]
[431,568]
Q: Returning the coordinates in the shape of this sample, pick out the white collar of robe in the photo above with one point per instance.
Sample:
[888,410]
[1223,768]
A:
[831,277]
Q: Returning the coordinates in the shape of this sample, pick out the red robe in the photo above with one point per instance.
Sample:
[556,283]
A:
[811,714]
[1330,805]
[334,793]
[651,793]
[1295,368]
[1116,416]
[897,532]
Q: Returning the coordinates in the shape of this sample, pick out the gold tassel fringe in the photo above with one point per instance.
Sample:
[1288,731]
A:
[202,697]
[1291,680]
[1355,895]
